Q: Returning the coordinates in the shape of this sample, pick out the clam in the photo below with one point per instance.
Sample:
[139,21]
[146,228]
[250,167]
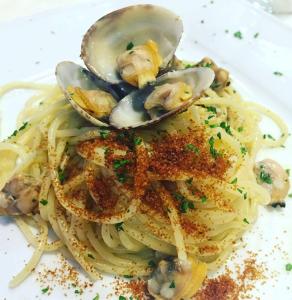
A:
[174,279]
[171,93]
[132,44]
[90,96]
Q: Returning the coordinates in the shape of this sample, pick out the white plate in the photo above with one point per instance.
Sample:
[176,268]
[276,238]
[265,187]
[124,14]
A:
[31,47]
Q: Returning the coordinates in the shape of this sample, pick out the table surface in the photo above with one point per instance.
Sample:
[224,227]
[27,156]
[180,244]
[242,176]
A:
[10,10]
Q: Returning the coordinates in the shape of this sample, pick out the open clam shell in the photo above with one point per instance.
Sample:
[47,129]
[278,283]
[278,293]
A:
[131,113]
[109,36]
[69,74]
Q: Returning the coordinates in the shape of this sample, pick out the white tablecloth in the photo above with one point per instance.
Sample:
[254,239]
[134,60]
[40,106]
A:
[11,9]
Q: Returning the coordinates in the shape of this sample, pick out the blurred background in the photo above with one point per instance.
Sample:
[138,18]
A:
[11,9]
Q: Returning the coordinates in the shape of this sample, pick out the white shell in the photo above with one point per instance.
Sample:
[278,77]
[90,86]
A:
[130,111]
[109,36]
[71,74]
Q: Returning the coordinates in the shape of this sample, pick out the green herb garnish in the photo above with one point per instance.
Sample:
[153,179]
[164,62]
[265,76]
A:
[104,134]
[189,181]
[118,163]
[119,226]
[172,285]
[61,175]
[226,127]
[234,181]
[96,297]
[15,132]
[44,202]
[90,255]
[130,46]
[243,150]
[193,148]
[256,35]
[137,141]
[204,199]
[45,290]
[240,129]
[277,73]
[128,276]
[238,35]
[288,267]
[265,177]
[122,298]
[213,151]
[269,136]
[245,221]
[212,109]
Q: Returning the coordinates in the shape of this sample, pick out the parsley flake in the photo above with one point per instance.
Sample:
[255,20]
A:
[130,46]
[45,290]
[204,199]
[240,129]
[128,276]
[245,221]
[243,150]
[256,35]
[219,135]
[104,134]
[212,109]
[226,127]
[189,181]
[96,297]
[234,181]
[44,202]
[265,177]
[172,285]
[119,226]
[277,73]
[288,172]
[238,35]
[137,141]
[213,151]
[61,175]
[90,255]
[193,148]
[290,195]
[118,163]
[122,298]
[288,267]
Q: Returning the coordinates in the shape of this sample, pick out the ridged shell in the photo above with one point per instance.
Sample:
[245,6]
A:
[108,37]
[130,111]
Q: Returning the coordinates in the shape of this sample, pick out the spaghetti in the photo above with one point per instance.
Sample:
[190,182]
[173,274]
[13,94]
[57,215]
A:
[185,187]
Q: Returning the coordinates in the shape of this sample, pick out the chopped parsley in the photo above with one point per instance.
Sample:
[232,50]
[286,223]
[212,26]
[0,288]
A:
[189,181]
[240,191]
[204,199]
[104,134]
[130,46]
[118,163]
[212,109]
[15,132]
[96,297]
[226,127]
[128,276]
[269,136]
[290,195]
[193,148]
[188,66]
[238,35]
[78,292]
[288,172]
[45,290]
[137,141]
[234,181]
[245,221]
[90,255]
[288,267]
[243,150]
[256,35]
[119,226]
[172,285]
[122,298]
[185,204]
[61,175]
[44,202]
[265,177]
[151,263]
[213,151]
[215,84]
[240,129]
[277,73]
[219,135]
